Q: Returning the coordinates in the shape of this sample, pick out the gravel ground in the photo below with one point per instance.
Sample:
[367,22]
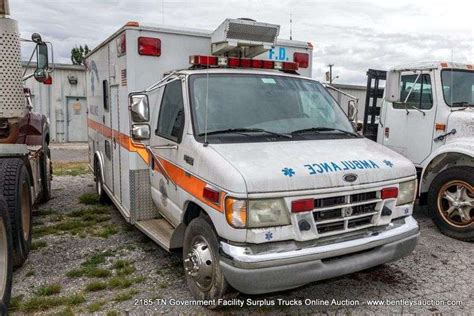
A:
[69,152]
[440,269]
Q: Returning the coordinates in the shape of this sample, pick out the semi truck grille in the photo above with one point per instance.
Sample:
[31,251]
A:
[345,213]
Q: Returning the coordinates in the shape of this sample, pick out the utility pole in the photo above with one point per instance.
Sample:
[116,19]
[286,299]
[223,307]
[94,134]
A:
[329,77]
[330,73]
[291,27]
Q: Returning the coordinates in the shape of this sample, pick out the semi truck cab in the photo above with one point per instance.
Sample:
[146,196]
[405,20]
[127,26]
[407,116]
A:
[252,169]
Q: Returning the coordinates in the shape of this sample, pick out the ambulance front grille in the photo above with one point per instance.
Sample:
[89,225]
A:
[345,213]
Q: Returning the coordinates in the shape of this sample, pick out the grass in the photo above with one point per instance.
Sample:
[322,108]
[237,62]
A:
[89,198]
[90,268]
[120,282]
[123,267]
[38,244]
[95,306]
[70,168]
[41,303]
[125,295]
[76,222]
[105,232]
[15,303]
[48,290]
[95,286]
[112,313]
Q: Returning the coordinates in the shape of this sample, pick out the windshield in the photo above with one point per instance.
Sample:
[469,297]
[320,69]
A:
[249,104]
[458,87]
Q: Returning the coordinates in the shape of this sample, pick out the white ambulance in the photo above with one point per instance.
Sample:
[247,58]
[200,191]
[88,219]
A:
[219,143]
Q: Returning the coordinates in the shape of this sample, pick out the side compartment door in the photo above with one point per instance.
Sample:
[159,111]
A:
[116,174]
[165,144]
[408,129]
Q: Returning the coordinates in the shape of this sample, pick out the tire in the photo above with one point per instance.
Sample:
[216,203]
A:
[46,171]
[207,283]
[99,186]
[451,202]
[16,189]
[6,265]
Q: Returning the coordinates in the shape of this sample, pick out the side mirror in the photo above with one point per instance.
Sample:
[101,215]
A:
[141,131]
[41,73]
[139,108]
[352,110]
[392,86]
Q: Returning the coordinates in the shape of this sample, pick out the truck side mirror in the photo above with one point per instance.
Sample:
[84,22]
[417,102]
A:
[41,72]
[392,86]
[141,131]
[352,110]
[139,108]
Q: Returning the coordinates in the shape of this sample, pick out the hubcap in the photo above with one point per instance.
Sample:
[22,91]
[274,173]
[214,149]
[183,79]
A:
[198,263]
[3,257]
[25,210]
[456,203]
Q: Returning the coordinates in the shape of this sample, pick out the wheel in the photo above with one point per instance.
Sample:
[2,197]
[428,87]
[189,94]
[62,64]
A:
[99,186]
[201,261]
[46,168]
[16,189]
[6,249]
[451,202]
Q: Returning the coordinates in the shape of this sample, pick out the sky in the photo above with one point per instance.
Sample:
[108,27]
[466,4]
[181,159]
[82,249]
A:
[352,35]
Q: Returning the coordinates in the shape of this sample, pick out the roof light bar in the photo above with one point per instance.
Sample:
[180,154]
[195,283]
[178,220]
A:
[233,62]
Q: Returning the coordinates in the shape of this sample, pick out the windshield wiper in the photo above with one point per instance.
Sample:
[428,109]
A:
[323,129]
[244,131]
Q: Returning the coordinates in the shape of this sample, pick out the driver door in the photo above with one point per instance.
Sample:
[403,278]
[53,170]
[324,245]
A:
[165,144]
[408,129]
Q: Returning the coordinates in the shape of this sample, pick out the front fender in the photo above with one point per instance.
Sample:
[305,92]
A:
[461,147]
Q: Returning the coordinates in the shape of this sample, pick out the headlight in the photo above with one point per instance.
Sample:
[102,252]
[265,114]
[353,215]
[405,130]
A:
[256,213]
[406,192]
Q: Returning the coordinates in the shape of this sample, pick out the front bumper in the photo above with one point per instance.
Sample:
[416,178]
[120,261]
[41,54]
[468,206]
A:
[256,269]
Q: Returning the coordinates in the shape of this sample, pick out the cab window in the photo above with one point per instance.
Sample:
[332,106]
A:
[420,97]
[171,117]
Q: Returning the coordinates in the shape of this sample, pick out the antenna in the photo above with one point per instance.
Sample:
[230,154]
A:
[207,101]
[291,27]
[452,79]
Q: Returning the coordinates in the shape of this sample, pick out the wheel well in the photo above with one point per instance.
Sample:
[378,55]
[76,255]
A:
[192,211]
[440,163]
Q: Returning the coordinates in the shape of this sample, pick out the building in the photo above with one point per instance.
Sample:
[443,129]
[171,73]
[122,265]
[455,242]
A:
[357,91]
[64,102]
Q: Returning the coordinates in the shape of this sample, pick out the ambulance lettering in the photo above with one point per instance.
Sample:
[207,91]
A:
[344,165]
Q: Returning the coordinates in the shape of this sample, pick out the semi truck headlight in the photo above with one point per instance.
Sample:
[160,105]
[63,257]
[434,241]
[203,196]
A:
[256,213]
[406,192]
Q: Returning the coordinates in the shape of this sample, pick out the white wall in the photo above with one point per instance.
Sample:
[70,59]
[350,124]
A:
[51,99]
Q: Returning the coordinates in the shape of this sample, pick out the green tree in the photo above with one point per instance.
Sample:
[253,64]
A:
[78,54]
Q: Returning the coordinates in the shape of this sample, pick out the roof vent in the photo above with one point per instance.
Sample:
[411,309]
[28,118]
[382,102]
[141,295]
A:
[243,38]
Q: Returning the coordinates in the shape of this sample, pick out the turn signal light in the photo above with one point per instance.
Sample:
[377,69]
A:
[304,205]
[149,46]
[389,193]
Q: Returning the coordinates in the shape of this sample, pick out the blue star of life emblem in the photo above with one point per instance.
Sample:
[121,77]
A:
[268,235]
[289,172]
[388,163]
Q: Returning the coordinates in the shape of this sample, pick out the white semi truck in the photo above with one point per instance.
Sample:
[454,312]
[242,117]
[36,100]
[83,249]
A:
[219,144]
[427,115]
[25,165]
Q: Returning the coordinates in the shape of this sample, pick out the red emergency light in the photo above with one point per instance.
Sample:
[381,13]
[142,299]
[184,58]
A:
[233,62]
[389,193]
[303,205]
[149,46]
[302,59]
[48,81]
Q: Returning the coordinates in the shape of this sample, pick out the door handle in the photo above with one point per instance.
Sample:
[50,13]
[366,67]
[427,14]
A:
[167,146]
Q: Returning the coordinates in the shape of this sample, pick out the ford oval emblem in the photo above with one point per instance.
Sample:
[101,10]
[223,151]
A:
[350,177]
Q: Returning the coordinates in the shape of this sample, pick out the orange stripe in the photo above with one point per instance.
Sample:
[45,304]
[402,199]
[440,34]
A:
[183,179]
